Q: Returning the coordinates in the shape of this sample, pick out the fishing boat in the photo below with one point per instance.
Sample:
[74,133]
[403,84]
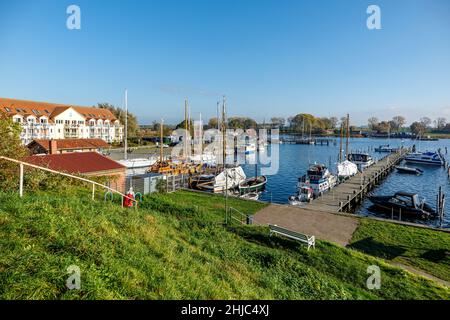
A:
[405,169]
[404,203]
[362,160]
[318,178]
[429,158]
[254,184]
[229,178]
[385,148]
[250,196]
[304,195]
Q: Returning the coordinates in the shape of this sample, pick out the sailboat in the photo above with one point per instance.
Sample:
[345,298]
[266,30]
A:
[345,168]
[228,178]
[254,184]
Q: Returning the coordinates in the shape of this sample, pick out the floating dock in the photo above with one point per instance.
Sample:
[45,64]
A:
[315,141]
[350,193]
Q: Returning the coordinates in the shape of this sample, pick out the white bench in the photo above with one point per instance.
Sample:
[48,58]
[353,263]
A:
[309,240]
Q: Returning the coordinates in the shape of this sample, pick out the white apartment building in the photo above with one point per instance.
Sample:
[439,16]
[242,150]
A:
[42,120]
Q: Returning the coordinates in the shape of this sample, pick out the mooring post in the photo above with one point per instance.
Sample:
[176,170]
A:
[21,180]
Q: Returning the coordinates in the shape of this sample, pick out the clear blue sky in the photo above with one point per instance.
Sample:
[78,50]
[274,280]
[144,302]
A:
[270,58]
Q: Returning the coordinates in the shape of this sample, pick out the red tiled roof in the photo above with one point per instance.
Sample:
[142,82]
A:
[78,162]
[26,107]
[64,144]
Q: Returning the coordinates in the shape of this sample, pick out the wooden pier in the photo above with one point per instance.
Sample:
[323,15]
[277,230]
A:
[348,194]
[312,141]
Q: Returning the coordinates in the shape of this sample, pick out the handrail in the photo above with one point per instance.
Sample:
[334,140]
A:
[94,183]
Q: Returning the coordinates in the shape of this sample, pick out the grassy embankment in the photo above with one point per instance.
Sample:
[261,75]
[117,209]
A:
[174,247]
[425,249]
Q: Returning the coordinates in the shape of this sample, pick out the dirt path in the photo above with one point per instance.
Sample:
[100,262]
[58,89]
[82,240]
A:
[420,273]
[322,225]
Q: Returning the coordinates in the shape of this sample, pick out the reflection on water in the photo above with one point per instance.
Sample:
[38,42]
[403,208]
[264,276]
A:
[295,159]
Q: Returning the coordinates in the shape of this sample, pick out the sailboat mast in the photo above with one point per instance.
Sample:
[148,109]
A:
[125,146]
[341,137]
[185,128]
[161,156]
[348,135]
[224,140]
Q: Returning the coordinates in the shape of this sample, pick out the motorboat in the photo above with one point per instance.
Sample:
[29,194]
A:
[318,178]
[346,169]
[386,148]
[404,203]
[405,169]
[254,184]
[229,178]
[429,158]
[362,160]
[250,196]
[304,195]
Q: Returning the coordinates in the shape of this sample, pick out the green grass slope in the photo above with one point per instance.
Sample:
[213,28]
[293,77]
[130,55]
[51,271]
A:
[174,247]
[421,248]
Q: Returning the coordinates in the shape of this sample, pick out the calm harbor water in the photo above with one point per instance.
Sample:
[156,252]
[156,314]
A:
[294,161]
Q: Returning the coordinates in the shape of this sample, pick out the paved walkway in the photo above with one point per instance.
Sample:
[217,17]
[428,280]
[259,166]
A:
[325,226]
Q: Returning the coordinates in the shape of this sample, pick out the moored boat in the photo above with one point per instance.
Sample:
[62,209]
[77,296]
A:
[362,160]
[304,194]
[250,196]
[405,169]
[404,203]
[254,184]
[229,178]
[346,169]
[318,178]
[428,158]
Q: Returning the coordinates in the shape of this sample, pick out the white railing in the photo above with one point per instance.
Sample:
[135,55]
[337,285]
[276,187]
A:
[23,164]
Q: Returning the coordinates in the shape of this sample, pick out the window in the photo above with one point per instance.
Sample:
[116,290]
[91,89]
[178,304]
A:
[59,121]
[67,122]
[18,120]
[36,112]
[7,109]
[43,120]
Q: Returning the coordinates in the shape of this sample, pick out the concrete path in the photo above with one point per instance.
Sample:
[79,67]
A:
[325,226]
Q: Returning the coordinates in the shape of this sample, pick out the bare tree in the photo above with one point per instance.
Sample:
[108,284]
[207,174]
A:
[398,122]
[372,122]
[425,121]
[440,123]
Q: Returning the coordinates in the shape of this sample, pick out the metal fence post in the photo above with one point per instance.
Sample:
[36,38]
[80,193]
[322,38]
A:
[21,180]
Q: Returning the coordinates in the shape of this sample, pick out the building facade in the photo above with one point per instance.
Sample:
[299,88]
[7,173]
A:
[42,120]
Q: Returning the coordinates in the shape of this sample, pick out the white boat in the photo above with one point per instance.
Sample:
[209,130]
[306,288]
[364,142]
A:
[304,195]
[229,178]
[250,196]
[346,169]
[138,162]
[362,160]
[318,178]
[429,157]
